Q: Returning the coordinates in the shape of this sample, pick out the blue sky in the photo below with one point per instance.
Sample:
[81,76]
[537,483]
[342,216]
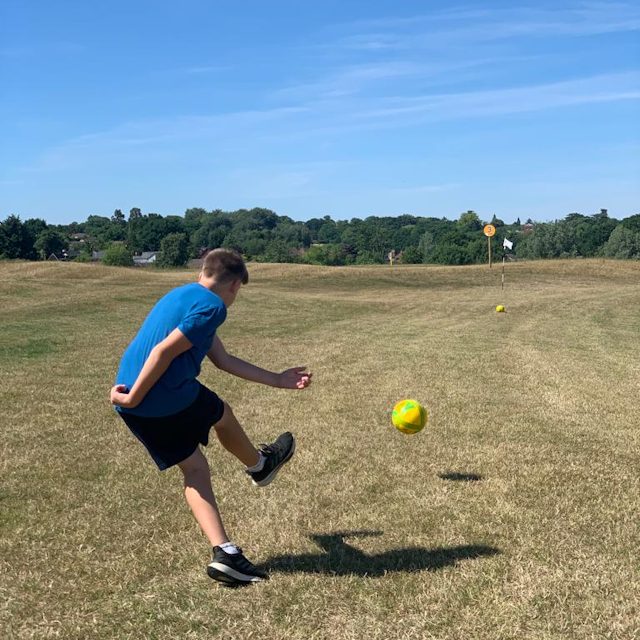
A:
[312,108]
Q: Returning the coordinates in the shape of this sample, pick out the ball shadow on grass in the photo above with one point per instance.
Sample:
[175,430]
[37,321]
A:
[460,477]
[341,559]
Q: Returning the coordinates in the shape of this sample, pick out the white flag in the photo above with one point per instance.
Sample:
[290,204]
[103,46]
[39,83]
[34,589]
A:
[507,244]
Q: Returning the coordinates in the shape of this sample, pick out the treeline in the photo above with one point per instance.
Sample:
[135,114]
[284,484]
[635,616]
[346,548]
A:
[262,235]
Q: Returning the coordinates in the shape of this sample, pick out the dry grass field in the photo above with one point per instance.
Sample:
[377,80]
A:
[514,514]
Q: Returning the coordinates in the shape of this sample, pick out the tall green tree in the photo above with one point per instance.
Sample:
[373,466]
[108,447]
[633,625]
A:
[623,244]
[426,246]
[325,254]
[174,250]
[117,255]
[32,229]
[193,219]
[146,232]
[328,231]
[118,217]
[50,241]
[469,221]
[411,255]
[212,230]
[279,251]
[12,238]
[101,229]
[632,223]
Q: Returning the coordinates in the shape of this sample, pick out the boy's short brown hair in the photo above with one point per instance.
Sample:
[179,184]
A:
[225,265]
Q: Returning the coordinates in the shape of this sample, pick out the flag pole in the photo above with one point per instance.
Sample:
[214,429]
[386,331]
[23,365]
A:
[503,259]
[489,230]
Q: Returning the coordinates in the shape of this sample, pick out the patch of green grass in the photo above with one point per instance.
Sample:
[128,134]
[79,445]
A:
[22,292]
[27,349]
[31,339]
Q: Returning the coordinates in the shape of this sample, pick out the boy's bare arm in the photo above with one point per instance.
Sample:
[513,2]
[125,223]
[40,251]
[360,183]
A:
[295,378]
[161,356]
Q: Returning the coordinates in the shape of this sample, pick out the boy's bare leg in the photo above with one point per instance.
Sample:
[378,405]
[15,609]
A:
[199,495]
[233,438]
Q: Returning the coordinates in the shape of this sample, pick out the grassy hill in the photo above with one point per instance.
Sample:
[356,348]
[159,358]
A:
[512,515]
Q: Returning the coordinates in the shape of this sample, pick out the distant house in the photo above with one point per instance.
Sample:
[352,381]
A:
[146,257]
[63,256]
[527,228]
[97,255]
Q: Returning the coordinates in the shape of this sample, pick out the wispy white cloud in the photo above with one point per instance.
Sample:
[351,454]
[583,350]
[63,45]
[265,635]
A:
[372,42]
[353,79]
[350,80]
[156,139]
[168,139]
[331,117]
[438,17]
[464,26]
[604,88]
[460,48]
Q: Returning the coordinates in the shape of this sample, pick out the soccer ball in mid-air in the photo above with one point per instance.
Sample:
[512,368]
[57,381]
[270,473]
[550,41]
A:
[409,416]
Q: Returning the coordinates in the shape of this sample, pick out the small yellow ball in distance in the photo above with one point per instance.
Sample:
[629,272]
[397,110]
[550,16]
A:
[499,308]
[409,416]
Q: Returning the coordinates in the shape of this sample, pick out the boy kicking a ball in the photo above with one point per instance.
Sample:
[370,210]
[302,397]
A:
[158,396]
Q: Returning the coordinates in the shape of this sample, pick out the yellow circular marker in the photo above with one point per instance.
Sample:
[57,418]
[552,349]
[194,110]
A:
[489,230]
[499,308]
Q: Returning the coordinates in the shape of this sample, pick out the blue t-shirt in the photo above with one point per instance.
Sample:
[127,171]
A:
[197,312]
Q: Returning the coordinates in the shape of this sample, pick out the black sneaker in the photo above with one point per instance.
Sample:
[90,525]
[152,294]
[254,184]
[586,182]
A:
[233,569]
[275,454]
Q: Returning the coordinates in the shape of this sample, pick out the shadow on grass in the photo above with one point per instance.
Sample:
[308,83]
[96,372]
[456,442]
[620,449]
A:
[341,559]
[461,477]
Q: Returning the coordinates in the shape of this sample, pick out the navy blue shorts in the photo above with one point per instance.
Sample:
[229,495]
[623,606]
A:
[172,439]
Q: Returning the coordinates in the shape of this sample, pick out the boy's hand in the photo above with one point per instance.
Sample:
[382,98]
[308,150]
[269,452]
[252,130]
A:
[120,397]
[295,378]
